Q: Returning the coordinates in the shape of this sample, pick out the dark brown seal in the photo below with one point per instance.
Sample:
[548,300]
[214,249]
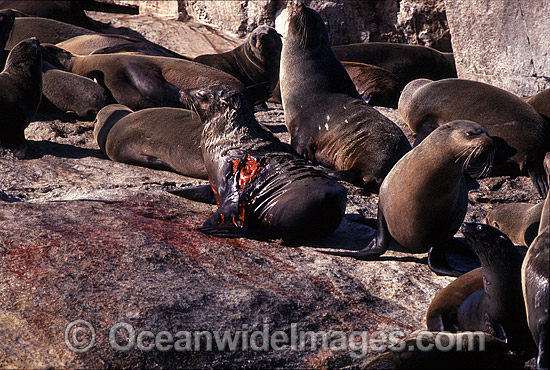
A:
[20,94]
[521,135]
[258,184]
[109,44]
[328,121]
[424,198]
[487,299]
[376,86]
[7,18]
[45,30]
[519,221]
[140,81]
[535,282]
[159,138]
[70,93]
[254,62]
[407,62]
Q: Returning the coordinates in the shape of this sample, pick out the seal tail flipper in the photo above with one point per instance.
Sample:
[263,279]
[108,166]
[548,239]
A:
[201,193]
[377,247]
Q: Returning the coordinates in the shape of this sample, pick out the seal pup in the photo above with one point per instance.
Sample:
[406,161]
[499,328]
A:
[45,30]
[521,135]
[257,183]
[254,62]
[70,93]
[489,298]
[519,221]
[328,121]
[20,94]
[108,44]
[424,198]
[160,138]
[140,81]
[407,62]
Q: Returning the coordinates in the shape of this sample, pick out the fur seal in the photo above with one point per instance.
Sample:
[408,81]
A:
[70,93]
[535,281]
[20,94]
[108,44]
[159,138]
[521,135]
[407,62]
[424,198]
[541,102]
[376,86]
[254,62]
[45,30]
[258,184]
[140,81]
[489,298]
[328,121]
[519,221]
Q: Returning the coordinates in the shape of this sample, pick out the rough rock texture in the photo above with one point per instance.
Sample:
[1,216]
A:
[502,43]
[85,238]
[410,21]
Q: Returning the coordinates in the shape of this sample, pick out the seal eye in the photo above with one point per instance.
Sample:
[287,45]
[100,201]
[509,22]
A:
[202,95]
[472,133]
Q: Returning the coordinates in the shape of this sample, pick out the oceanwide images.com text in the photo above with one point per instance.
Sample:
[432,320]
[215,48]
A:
[80,337]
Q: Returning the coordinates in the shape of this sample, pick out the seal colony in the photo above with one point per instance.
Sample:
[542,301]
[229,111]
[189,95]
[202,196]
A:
[136,90]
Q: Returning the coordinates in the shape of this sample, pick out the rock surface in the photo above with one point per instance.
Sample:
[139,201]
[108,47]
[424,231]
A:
[502,43]
[84,238]
[408,21]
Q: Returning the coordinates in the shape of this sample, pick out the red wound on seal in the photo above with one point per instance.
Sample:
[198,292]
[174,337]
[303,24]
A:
[249,172]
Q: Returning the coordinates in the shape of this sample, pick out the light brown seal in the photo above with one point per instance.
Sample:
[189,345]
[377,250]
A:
[108,44]
[519,221]
[407,62]
[258,184]
[20,94]
[541,102]
[140,81]
[424,198]
[328,121]
[254,62]
[70,93]
[159,138]
[521,135]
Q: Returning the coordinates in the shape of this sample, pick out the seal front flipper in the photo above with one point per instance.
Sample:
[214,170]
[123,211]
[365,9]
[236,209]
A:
[453,258]
[200,193]
[539,178]
[151,85]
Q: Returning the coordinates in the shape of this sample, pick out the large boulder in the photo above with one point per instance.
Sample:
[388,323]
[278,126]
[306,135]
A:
[502,43]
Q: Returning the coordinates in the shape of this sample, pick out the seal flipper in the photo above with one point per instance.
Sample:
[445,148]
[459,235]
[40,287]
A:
[440,256]
[377,247]
[200,193]
[152,86]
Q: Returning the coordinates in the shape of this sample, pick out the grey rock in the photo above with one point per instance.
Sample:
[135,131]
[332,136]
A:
[502,43]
